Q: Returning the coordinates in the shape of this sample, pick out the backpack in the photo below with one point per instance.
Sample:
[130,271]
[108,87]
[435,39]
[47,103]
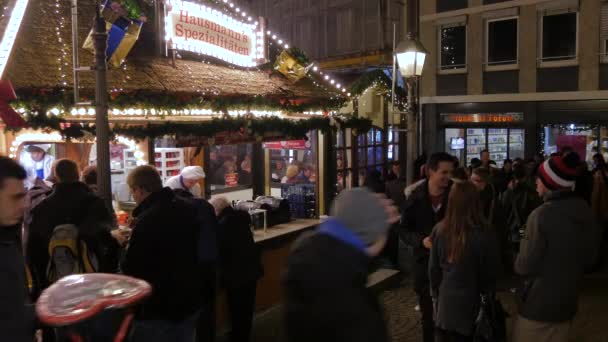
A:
[68,254]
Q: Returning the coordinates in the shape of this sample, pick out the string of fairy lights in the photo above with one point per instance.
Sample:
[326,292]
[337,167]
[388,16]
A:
[62,43]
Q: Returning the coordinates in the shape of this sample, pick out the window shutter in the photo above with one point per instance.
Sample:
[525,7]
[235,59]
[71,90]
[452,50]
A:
[604,21]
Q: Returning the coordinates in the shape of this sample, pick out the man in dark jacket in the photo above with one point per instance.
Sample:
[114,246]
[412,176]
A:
[240,266]
[207,258]
[557,248]
[16,314]
[424,206]
[163,252]
[70,202]
[326,295]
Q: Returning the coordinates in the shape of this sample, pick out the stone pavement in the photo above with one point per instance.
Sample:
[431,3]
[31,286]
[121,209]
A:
[590,325]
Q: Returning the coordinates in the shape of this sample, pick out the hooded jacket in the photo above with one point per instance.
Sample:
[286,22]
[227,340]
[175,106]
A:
[558,246]
[327,298]
[16,314]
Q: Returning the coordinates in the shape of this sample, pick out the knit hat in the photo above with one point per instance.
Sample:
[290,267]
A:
[559,173]
[193,172]
[362,213]
[38,148]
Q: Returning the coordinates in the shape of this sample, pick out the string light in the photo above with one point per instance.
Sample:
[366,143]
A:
[10,33]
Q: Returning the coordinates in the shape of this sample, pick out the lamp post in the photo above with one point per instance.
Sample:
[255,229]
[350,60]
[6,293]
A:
[410,56]
[102,129]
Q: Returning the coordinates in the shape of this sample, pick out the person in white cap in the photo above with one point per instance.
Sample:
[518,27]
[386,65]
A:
[38,163]
[187,180]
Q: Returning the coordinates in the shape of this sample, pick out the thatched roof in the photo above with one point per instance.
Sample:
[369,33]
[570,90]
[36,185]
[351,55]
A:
[6,7]
[42,58]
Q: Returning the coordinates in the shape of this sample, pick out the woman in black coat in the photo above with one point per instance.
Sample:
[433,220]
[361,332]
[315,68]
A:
[464,264]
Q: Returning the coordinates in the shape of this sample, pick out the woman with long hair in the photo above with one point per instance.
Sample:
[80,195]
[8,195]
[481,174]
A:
[464,264]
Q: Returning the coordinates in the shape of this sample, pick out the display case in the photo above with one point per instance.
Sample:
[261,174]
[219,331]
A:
[169,162]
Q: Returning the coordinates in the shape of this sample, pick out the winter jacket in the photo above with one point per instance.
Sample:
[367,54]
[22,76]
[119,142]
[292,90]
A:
[326,295]
[520,200]
[557,248]
[395,191]
[456,287]
[418,218]
[16,314]
[69,203]
[239,256]
[163,252]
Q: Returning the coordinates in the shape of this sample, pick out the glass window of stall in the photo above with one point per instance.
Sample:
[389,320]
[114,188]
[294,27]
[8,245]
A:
[293,173]
[229,167]
[392,152]
[370,152]
[344,164]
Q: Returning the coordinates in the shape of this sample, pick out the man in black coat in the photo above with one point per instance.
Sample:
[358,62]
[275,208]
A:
[70,202]
[326,294]
[163,252]
[424,206]
[16,314]
[207,258]
[240,266]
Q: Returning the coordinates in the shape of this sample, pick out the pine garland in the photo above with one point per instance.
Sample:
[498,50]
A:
[376,77]
[33,100]
[248,125]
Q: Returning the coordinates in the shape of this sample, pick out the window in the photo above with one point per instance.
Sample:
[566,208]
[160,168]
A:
[453,46]
[344,167]
[604,33]
[501,41]
[229,166]
[559,36]
[293,162]
[392,153]
[370,150]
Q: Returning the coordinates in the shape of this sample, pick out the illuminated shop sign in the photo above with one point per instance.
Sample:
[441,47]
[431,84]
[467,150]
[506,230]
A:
[489,118]
[201,29]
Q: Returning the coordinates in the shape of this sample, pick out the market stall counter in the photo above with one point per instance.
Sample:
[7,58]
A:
[275,244]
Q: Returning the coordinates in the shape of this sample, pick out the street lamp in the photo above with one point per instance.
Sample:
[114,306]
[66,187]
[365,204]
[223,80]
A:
[410,56]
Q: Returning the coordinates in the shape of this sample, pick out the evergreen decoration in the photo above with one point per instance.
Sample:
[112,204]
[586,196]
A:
[33,100]
[376,78]
[257,128]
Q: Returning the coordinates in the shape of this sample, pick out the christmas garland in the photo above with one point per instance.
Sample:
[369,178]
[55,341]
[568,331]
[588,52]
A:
[248,125]
[376,78]
[32,100]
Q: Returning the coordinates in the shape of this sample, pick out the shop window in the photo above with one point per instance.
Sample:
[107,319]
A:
[501,42]
[229,167]
[453,46]
[583,139]
[295,165]
[559,33]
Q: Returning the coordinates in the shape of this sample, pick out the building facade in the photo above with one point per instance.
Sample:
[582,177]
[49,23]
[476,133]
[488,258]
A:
[515,77]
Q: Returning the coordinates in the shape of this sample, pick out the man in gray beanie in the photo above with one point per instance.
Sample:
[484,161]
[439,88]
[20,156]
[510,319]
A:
[326,294]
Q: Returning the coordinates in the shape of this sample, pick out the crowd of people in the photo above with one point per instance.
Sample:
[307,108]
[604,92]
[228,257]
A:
[177,242]
[471,230]
[536,221]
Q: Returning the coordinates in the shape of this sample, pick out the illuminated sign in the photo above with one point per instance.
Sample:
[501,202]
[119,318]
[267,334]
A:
[10,32]
[488,118]
[201,29]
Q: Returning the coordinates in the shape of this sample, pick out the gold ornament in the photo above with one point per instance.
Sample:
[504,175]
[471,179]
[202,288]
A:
[287,65]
